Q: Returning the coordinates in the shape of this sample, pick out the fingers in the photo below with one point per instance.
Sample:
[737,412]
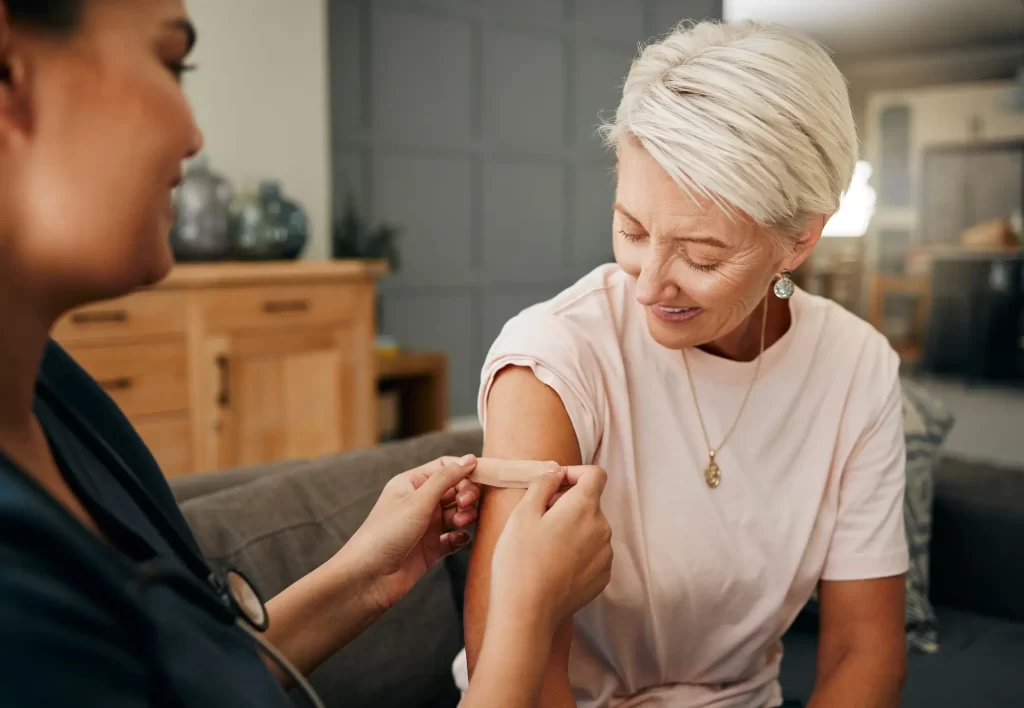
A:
[539,493]
[456,518]
[441,477]
[590,480]
[465,494]
[575,473]
[453,541]
[585,483]
[421,474]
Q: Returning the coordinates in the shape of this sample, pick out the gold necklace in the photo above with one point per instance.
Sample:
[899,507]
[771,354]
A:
[712,473]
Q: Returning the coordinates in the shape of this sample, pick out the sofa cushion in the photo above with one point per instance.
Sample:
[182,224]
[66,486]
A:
[926,423]
[280,527]
[977,561]
[978,665]
[198,485]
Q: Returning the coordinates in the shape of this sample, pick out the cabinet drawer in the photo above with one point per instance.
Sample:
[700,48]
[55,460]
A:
[170,441]
[278,306]
[137,315]
[142,378]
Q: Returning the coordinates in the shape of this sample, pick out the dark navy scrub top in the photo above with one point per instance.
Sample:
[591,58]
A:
[80,624]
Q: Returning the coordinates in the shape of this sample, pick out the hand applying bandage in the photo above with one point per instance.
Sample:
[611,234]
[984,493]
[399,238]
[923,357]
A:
[511,474]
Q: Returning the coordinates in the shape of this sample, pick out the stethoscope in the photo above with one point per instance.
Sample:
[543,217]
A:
[234,599]
[230,596]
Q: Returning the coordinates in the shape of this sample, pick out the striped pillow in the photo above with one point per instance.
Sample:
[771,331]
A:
[926,423]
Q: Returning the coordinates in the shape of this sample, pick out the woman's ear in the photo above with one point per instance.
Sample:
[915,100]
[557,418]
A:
[13,107]
[806,241]
[5,41]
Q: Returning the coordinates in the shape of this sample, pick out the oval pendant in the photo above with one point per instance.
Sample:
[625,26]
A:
[713,475]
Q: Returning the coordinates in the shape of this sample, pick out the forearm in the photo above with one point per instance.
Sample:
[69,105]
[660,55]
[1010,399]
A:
[319,614]
[860,679]
[510,666]
[488,628]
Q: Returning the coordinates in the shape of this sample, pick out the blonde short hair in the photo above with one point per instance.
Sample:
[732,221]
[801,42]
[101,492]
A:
[753,117]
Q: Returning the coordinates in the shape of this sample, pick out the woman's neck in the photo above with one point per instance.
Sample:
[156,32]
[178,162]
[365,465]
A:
[26,331]
[744,342]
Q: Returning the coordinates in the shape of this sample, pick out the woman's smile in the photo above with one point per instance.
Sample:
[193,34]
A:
[675,314]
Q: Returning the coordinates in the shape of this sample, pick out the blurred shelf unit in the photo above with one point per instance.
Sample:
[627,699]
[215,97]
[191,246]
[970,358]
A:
[835,271]
[948,169]
[412,390]
[945,159]
[899,307]
[231,364]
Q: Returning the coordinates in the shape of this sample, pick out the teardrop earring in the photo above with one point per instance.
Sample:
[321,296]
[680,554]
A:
[784,286]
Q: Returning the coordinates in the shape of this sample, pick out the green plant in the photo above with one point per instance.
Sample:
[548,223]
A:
[353,237]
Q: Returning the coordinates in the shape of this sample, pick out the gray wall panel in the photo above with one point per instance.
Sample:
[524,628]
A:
[431,199]
[544,13]
[523,208]
[471,123]
[612,21]
[349,178]
[592,238]
[600,75]
[347,87]
[523,72]
[422,81]
[668,13]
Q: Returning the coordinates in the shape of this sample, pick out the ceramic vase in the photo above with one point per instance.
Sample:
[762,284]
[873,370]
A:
[267,226]
[202,215]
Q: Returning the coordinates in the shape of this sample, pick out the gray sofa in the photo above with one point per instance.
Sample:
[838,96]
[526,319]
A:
[276,523]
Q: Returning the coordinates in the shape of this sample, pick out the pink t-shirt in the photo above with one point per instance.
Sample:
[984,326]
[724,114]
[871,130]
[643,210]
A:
[706,581]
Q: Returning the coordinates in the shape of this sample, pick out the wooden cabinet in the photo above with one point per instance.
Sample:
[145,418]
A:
[238,364]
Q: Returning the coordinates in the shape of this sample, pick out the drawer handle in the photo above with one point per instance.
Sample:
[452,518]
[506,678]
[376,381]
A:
[273,307]
[99,317]
[225,381]
[122,383]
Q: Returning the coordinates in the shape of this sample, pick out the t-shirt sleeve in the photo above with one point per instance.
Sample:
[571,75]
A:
[869,540]
[58,645]
[562,359]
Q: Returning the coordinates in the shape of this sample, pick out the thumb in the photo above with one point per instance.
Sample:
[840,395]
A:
[539,494]
[443,479]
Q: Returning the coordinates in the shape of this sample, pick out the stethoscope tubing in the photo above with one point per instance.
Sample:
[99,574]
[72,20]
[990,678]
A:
[214,594]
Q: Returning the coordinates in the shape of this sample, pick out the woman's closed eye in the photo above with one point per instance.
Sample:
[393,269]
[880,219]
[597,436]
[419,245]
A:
[180,68]
[702,267]
[633,236]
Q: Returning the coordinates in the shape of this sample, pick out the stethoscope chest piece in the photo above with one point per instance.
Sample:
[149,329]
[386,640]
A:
[243,595]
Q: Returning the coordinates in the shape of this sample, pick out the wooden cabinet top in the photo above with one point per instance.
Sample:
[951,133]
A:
[215,275]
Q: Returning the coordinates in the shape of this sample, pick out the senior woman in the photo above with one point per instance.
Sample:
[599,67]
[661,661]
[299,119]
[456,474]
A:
[752,432]
[105,597]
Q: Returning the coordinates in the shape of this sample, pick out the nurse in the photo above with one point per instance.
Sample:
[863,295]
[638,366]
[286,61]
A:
[105,598]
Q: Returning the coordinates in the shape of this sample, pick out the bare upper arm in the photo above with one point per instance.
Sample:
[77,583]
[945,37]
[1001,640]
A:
[525,420]
[862,614]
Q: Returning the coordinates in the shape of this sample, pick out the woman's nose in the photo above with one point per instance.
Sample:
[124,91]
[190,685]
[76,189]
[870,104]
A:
[652,285]
[196,143]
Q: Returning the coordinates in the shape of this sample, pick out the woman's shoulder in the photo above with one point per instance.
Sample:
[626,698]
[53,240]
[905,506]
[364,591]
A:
[842,333]
[98,416]
[844,356]
[587,311]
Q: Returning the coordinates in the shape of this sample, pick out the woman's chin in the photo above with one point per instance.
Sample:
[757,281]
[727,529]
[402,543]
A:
[673,335]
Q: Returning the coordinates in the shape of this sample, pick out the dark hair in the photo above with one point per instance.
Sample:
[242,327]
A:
[47,15]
